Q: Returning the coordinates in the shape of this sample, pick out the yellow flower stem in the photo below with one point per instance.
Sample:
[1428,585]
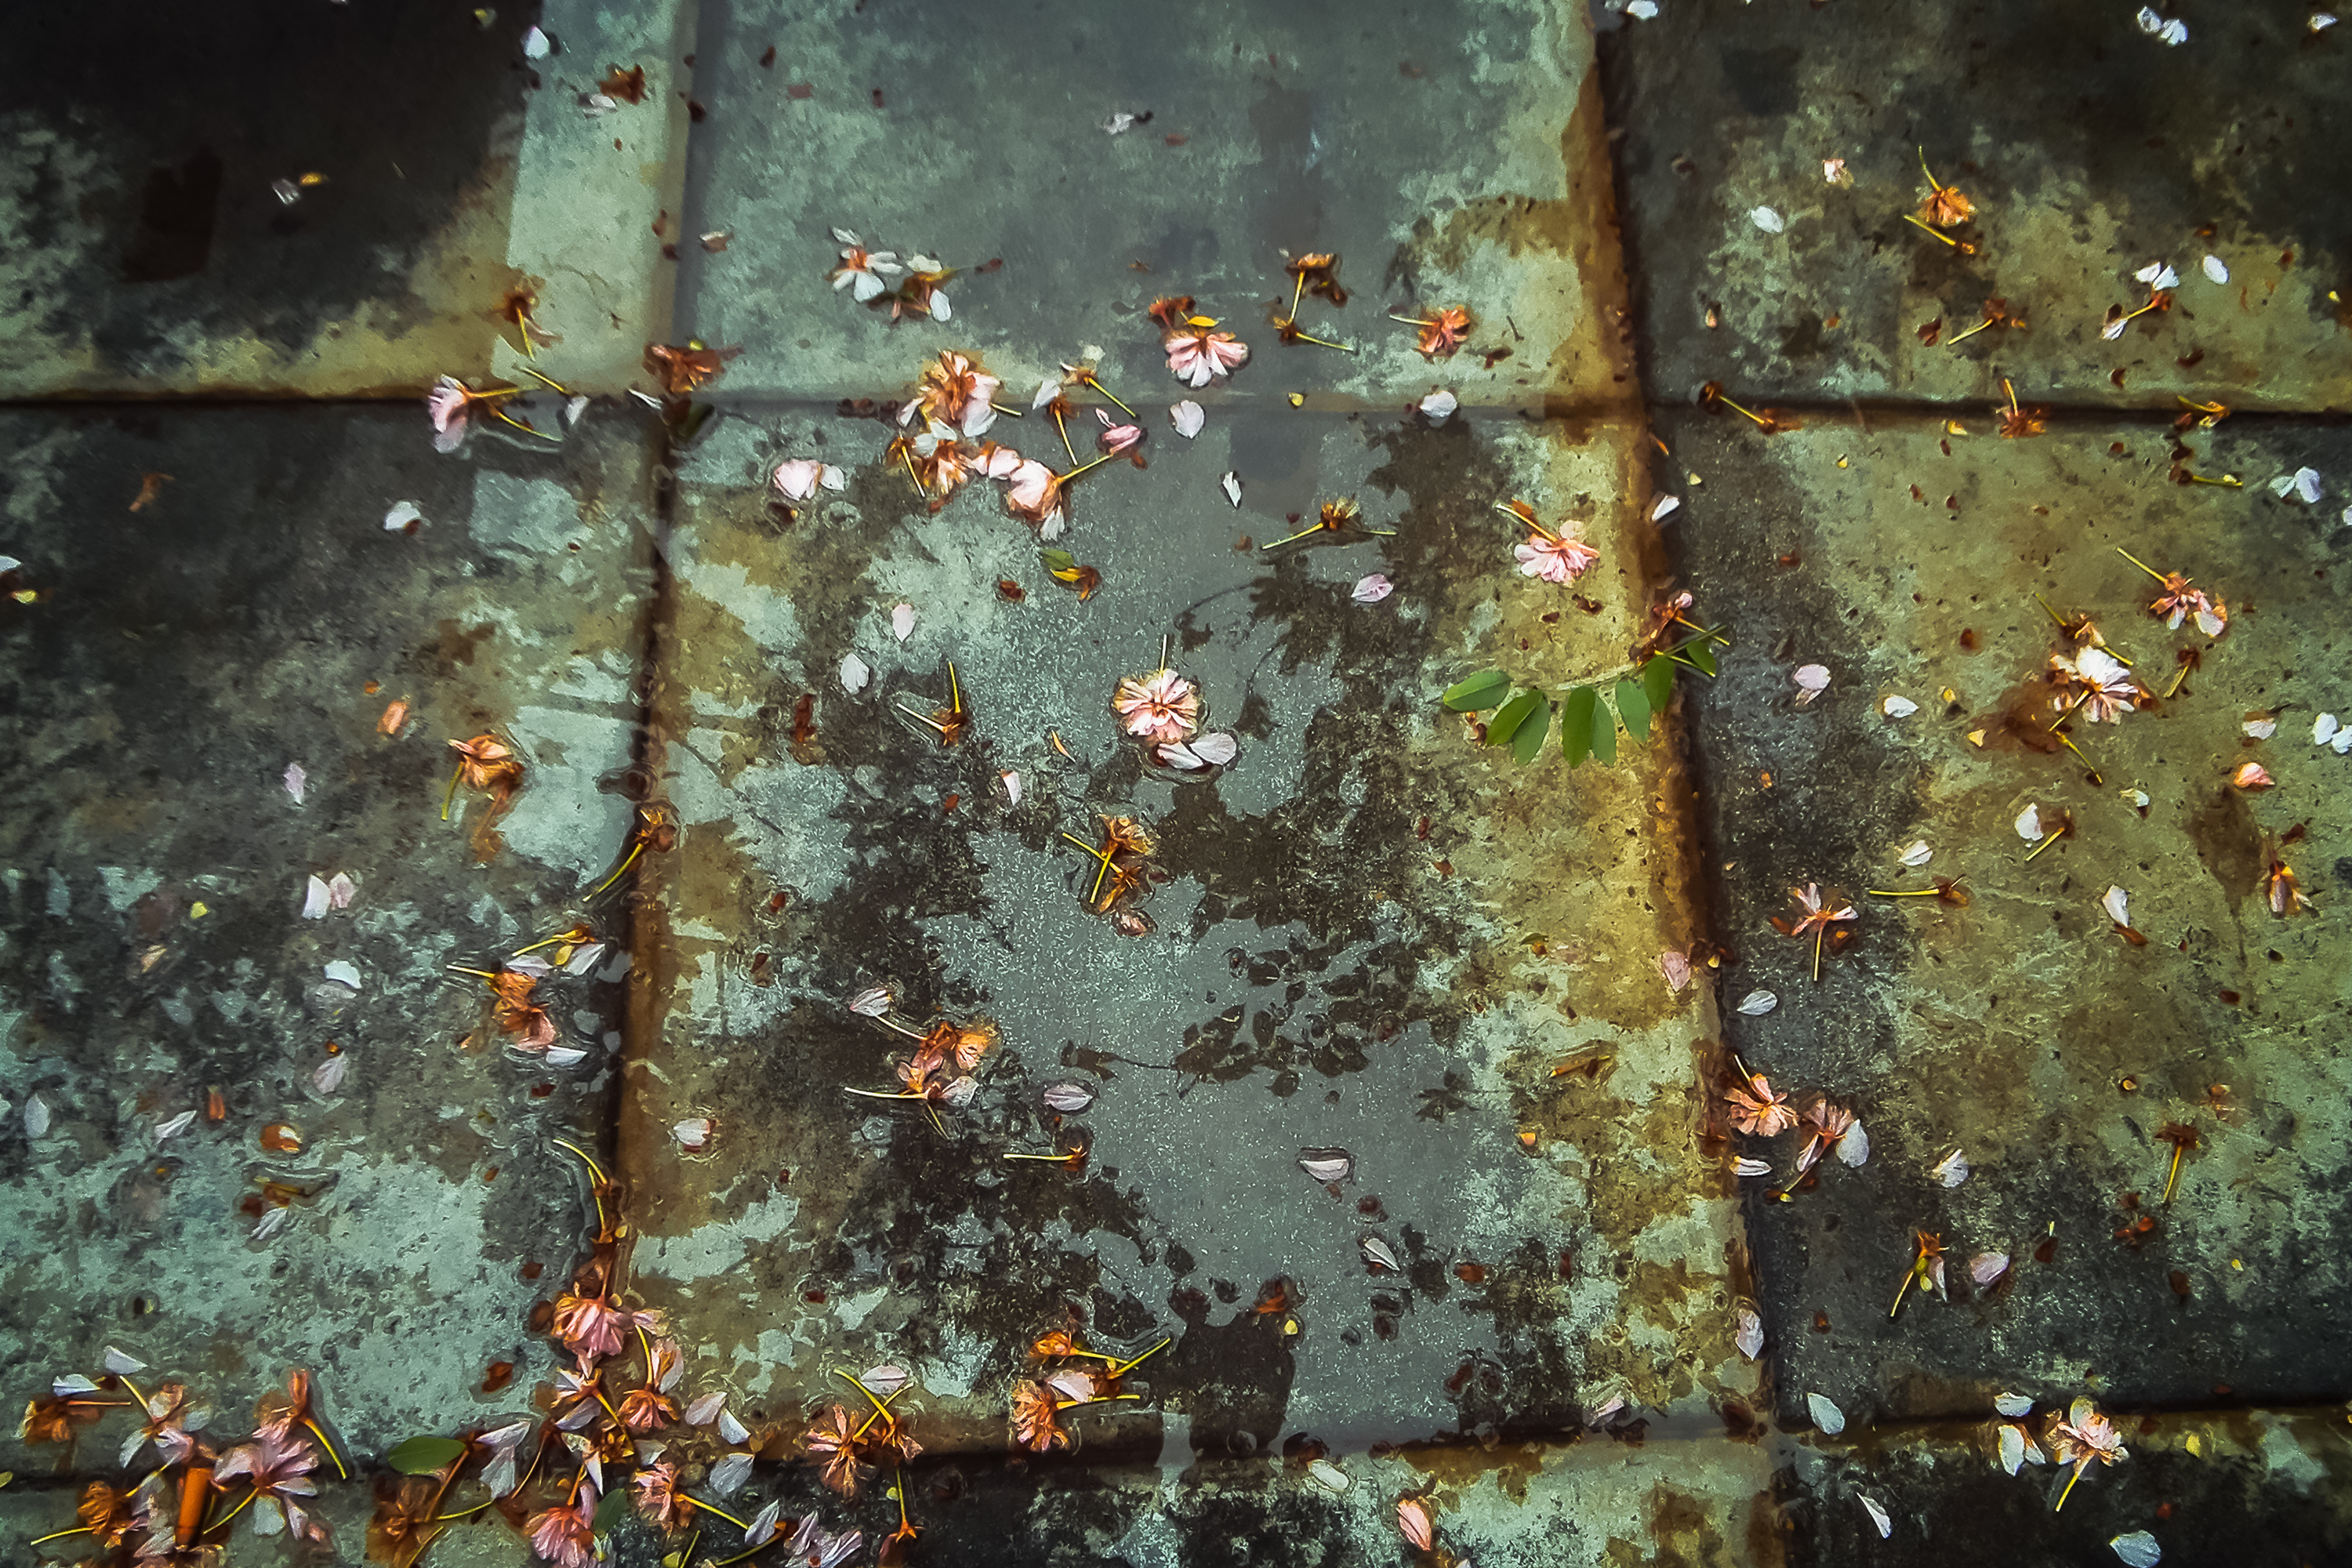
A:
[1931,229]
[861,1388]
[922,719]
[594,1169]
[60,1535]
[2139,563]
[878,1094]
[881,1408]
[1082,467]
[1293,539]
[323,1443]
[222,1523]
[504,418]
[1049,1159]
[1821,935]
[477,973]
[1904,1289]
[1297,292]
[906,1029]
[907,457]
[2012,391]
[1505,508]
[1758,418]
[2068,742]
[2177,1150]
[1123,1368]
[1959,338]
[2179,677]
[1924,169]
[1913,893]
[714,1507]
[1410,321]
[1324,342]
[549,381]
[2069,710]
[1064,429]
[2079,1467]
[1106,392]
[635,850]
[450,794]
[1017,414]
[2045,843]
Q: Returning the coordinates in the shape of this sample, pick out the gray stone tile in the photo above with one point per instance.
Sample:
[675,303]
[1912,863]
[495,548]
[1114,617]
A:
[1450,155]
[1320,974]
[146,251]
[2023,1029]
[2089,149]
[171,664]
[2258,1487]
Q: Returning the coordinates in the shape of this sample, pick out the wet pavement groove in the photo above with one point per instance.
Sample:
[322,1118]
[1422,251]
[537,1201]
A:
[1363,931]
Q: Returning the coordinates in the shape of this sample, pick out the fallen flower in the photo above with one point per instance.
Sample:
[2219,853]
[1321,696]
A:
[862,271]
[2279,888]
[565,1533]
[2251,776]
[1758,1109]
[681,368]
[1159,708]
[2083,1439]
[1555,556]
[797,479]
[1441,333]
[1816,918]
[1198,355]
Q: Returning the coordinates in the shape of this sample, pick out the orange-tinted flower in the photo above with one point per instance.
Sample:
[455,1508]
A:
[955,392]
[487,762]
[2177,601]
[1757,1109]
[403,1521]
[2279,887]
[1317,272]
[1417,1523]
[1171,311]
[683,368]
[280,1472]
[1442,332]
[1946,207]
[106,1514]
[834,1440]
[1035,496]
[53,1420]
[2095,683]
[1034,1427]
[659,1497]
[565,1534]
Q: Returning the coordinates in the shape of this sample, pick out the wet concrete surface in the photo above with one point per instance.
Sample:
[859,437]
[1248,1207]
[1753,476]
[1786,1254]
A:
[1341,957]
[2024,1030]
[1448,155]
[1364,932]
[168,667]
[2088,149]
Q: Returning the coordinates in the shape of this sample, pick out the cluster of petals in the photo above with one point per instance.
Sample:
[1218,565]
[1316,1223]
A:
[1555,557]
[862,271]
[2179,601]
[1198,355]
[955,392]
[279,1469]
[1158,709]
[2096,682]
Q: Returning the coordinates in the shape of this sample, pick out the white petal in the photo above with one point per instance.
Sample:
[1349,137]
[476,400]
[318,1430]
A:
[2115,329]
[1898,707]
[315,899]
[1232,481]
[1916,853]
[1951,1170]
[1826,1415]
[1439,406]
[2323,729]
[885,1380]
[1750,1337]
[854,674]
[941,310]
[70,1384]
[573,407]
[343,972]
[535,46]
[2138,1549]
[2013,1406]
[847,237]
[1327,1166]
[1756,1004]
[1744,1166]
[2012,1448]
[1188,418]
[2117,903]
[2150,22]
[270,1224]
[36,1117]
[2176,34]
[1216,748]
[296,779]
[864,287]
[1328,1475]
[2322,20]
[1877,1516]
[1812,677]
[1069,1096]
[1665,504]
[1855,1147]
[531,963]
[2215,270]
[2307,486]
[173,1129]
[1642,10]
[902,621]
[585,957]
[764,1524]
[2029,824]
[705,1410]
[120,1361]
[692,1133]
[341,890]
[1012,782]
[731,1430]
[1121,121]
[1767,220]
[1178,756]
[728,1475]
[565,1056]
[1371,588]
[1984,1268]
[1378,1255]
[329,1076]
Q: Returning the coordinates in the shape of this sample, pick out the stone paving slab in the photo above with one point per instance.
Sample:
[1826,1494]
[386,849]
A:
[1320,975]
[2024,1030]
[1449,155]
[147,252]
[2089,149]
[2259,1487]
[171,664]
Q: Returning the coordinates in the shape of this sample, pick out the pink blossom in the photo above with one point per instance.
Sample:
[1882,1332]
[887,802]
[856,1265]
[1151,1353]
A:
[1160,709]
[447,404]
[1555,558]
[1198,356]
[1116,439]
[564,1535]
[798,477]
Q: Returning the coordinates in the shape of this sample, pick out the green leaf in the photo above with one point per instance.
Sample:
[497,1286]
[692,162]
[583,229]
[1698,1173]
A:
[1605,731]
[1658,681]
[423,1456]
[1511,715]
[1526,740]
[1575,724]
[1484,689]
[1058,560]
[1702,654]
[1633,707]
[609,1510]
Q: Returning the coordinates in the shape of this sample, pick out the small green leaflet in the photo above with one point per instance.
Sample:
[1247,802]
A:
[1527,742]
[1633,707]
[1605,731]
[1511,715]
[423,1456]
[1482,690]
[1576,711]
[609,1510]
[1703,655]
[1058,560]
[1658,681]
